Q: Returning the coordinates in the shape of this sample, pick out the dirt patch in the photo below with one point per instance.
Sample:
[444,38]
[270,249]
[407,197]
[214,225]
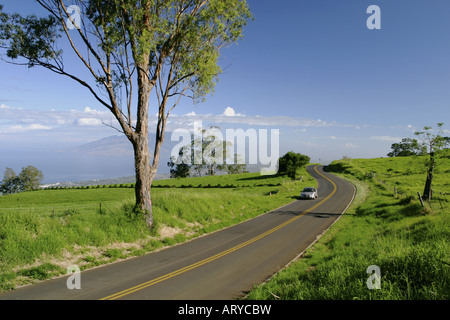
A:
[169,232]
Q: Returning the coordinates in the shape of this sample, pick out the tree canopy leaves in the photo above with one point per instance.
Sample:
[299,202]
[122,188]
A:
[407,147]
[30,178]
[290,162]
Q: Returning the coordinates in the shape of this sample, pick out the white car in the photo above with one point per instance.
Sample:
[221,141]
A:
[309,193]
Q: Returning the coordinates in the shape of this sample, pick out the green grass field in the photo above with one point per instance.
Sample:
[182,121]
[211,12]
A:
[44,232]
[408,242]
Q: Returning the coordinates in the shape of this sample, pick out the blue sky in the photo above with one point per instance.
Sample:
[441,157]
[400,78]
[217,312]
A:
[311,69]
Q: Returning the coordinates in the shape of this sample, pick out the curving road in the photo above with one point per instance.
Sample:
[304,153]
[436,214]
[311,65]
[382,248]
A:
[220,266]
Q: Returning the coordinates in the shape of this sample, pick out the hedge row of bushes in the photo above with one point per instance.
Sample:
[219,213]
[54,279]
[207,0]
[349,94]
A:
[127,185]
[132,185]
[232,186]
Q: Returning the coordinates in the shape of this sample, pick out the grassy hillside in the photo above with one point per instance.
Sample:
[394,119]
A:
[408,242]
[406,174]
[43,232]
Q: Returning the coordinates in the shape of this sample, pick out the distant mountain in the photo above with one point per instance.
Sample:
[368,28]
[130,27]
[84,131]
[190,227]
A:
[113,146]
[119,146]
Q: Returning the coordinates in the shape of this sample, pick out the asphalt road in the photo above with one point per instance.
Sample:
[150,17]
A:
[220,266]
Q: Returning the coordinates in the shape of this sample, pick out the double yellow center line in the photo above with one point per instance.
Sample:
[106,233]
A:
[219,255]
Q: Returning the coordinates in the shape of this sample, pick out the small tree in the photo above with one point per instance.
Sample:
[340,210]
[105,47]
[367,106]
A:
[237,167]
[30,178]
[434,144]
[10,183]
[178,167]
[408,147]
[291,162]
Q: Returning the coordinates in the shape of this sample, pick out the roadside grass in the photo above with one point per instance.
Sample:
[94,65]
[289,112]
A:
[408,242]
[42,233]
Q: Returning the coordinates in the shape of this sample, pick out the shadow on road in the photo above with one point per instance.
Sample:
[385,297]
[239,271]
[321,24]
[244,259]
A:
[303,199]
[320,215]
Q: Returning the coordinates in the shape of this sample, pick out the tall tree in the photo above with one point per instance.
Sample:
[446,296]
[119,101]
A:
[167,49]
[238,165]
[434,143]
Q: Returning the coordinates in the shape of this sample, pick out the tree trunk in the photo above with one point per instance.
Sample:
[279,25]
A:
[139,140]
[428,183]
[144,178]
[427,190]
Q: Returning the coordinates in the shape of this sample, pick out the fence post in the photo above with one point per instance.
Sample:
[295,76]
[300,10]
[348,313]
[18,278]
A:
[442,207]
[420,198]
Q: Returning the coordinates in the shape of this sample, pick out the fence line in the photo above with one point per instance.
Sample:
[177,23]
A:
[409,193]
[102,206]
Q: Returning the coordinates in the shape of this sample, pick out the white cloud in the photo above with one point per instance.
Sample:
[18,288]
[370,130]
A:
[20,120]
[37,126]
[233,118]
[229,112]
[16,119]
[85,122]
[24,128]
[385,138]
[349,145]
[96,112]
